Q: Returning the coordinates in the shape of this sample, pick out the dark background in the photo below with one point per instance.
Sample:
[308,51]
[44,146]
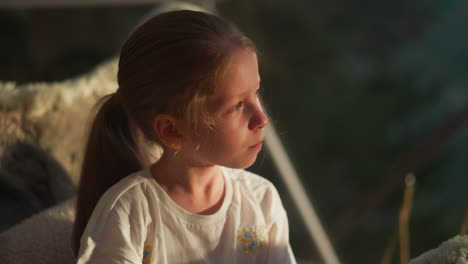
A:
[355,89]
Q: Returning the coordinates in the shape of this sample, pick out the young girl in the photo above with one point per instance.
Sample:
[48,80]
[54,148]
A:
[188,81]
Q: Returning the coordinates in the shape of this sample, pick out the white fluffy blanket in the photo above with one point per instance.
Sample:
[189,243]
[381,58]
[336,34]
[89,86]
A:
[452,251]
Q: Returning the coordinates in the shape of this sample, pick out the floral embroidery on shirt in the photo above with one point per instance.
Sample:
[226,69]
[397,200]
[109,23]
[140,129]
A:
[147,253]
[253,238]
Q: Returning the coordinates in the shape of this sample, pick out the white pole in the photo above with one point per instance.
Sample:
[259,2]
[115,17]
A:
[291,179]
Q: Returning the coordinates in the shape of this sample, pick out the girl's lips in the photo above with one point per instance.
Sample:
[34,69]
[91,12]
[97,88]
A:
[258,145]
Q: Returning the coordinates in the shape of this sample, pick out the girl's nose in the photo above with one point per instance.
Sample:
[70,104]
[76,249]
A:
[259,119]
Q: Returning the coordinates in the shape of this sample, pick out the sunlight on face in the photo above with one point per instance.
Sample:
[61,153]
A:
[237,135]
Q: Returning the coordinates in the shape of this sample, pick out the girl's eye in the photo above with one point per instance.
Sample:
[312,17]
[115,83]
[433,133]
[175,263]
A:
[237,106]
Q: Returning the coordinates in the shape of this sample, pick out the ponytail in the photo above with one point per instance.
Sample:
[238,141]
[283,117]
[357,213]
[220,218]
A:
[114,150]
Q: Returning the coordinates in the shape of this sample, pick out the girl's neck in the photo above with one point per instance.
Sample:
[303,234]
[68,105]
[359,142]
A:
[176,175]
[197,189]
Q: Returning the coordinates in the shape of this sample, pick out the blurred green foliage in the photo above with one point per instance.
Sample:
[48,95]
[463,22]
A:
[350,100]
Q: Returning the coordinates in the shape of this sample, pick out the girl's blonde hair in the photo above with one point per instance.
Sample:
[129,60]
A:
[168,65]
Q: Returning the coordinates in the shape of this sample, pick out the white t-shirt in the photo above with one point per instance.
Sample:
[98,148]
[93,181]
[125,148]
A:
[135,221]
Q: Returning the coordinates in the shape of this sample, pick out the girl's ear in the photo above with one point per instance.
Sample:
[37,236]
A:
[168,131]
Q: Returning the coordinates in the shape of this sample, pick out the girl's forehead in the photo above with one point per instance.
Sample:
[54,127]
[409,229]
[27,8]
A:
[241,75]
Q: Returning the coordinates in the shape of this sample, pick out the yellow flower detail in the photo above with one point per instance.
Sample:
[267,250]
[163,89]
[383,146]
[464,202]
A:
[147,254]
[253,238]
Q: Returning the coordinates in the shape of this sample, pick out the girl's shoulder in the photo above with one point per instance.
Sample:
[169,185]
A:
[246,183]
[248,180]
[132,189]
[124,202]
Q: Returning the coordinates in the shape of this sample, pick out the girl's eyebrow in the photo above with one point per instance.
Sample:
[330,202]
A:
[249,91]
[218,102]
[221,101]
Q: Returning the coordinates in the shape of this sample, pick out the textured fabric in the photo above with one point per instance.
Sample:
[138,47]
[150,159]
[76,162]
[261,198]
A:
[452,251]
[137,222]
[44,238]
